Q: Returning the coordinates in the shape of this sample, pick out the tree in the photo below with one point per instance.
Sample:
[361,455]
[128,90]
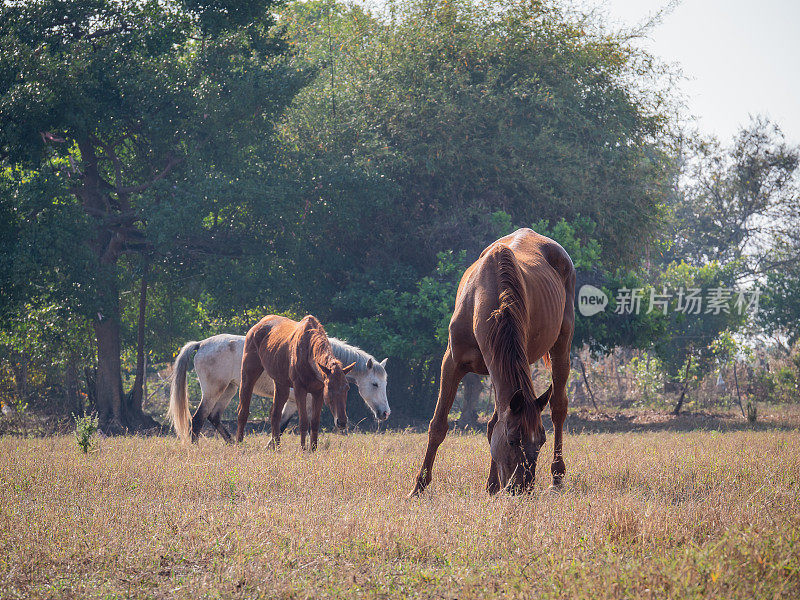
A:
[433,125]
[693,341]
[740,203]
[122,119]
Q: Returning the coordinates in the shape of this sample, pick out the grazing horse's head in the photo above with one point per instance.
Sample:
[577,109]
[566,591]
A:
[516,439]
[372,388]
[335,386]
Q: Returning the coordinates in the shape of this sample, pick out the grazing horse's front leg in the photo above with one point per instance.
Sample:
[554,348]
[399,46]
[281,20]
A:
[493,484]
[559,357]
[437,430]
[300,395]
[316,411]
[278,401]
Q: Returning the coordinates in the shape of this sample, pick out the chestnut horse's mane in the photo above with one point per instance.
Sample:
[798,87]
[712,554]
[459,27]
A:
[507,332]
[315,342]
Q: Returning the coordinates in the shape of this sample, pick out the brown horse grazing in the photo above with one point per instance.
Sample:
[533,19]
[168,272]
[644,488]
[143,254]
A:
[295,355]
[514,305]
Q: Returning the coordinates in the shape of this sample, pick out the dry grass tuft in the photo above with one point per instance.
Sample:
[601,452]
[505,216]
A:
[701,514]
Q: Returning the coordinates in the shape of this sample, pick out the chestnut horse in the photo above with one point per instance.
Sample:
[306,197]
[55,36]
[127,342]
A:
[295,355]
[514,305]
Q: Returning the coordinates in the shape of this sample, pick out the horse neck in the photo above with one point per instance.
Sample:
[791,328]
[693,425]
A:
[319,349]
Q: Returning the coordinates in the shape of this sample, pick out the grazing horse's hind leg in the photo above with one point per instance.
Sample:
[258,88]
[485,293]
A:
[287,418]
[199,419]
[289,413]
[437,430]
[214,419]
[251,371]
[219,406]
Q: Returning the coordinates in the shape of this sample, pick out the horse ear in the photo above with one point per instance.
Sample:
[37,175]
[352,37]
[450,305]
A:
[383,362]
[542,400]
[369,364]
[348,368]
[517,403]
[324,369]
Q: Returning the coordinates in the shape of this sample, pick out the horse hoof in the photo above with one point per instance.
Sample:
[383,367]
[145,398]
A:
[416,493]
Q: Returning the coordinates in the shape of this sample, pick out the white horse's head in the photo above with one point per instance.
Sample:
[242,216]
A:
[372,388]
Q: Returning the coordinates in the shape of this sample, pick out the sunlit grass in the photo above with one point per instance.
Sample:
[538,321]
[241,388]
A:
[700,514]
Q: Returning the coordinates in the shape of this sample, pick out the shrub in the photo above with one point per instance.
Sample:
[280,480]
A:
[85,428]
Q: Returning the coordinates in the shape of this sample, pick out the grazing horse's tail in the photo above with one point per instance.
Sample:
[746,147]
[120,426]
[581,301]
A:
[178,411]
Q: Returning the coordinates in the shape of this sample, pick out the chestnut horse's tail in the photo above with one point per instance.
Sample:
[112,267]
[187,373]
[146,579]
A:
[509,322]
[178,411]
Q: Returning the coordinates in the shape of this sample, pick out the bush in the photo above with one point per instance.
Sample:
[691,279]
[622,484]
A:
[85,428]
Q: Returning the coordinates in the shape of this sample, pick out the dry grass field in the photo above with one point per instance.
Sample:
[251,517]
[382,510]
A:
[660,514]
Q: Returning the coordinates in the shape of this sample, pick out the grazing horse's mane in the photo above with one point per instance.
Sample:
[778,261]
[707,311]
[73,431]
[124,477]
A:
[315,341]
[506,332]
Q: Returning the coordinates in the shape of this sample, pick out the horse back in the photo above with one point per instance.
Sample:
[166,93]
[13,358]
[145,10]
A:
[271,340]
[546,274]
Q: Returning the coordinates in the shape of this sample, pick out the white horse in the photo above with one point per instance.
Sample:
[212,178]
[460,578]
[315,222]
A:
[218,364]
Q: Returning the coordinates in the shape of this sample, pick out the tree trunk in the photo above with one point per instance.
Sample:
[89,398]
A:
[106,245]
[71,381]
[136,419]
[108,387]
[473,385]
[117,412]
[679,405]
[738,393]
[137,392]
[586,381]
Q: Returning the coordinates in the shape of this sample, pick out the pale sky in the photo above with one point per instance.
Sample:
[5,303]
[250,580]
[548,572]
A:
[739,57]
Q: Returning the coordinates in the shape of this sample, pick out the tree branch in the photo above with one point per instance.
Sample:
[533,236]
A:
[135,189]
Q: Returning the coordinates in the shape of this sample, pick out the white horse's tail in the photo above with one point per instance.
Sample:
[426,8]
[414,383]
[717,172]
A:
[178,411]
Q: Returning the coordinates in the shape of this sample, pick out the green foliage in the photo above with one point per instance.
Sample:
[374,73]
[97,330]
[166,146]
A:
[697,335]
[472,108]
[410,325]
[647,370]
[779,310]
[137,128]
[85,429]
[351,163]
